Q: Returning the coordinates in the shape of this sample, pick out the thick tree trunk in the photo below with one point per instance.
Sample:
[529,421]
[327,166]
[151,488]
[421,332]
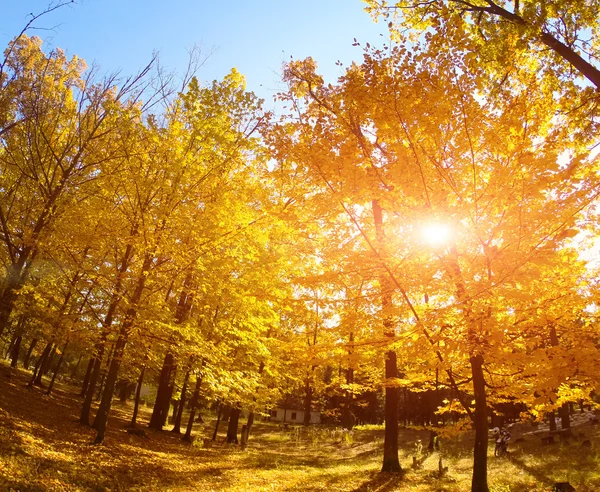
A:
[57,370]
[15,351]
[29,352]
[195,397]
[9,295]
[177,422]
[565,420]
[232,428]
[216,431]
[138,392]
[552,421]
[163,397]
[479,480]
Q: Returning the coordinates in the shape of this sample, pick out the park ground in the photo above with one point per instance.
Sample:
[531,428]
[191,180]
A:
[43,447]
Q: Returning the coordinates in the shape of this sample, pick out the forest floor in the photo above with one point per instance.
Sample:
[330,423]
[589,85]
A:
[43,447]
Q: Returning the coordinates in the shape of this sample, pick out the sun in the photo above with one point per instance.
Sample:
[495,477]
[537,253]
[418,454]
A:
[436,234]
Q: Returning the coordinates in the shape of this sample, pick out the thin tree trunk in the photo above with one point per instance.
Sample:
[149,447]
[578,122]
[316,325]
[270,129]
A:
[60,361]
[195,397]
[552,421]
[43,367]
[391,463]
[177,422]
[214,437]
[91,387]
[138,392]
[76,368]
[86,378]
[40,362]
[479,481]
[101,419]
[29,352]
[48,364]
[307,401]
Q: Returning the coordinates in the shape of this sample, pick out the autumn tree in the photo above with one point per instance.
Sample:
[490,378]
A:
[410,129]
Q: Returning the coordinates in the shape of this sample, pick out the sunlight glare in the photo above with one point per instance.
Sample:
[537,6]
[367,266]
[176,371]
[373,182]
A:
[436,234]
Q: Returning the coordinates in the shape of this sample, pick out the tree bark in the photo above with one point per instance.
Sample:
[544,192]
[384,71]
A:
[195,397]
[29,352]
[86,378]
[101,420]
[57,370]
[391,463]
[163,394]
[479,480]
[220,412]
[15,351]
[552,421]
[48,364]
[138,392]
[307,401]
[177,423]
[232,428]
[565,420]
[44,364]
[76,368]
[86,407]
[39,364]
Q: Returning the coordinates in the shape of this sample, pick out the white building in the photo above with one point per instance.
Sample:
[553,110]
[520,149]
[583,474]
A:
[290,416]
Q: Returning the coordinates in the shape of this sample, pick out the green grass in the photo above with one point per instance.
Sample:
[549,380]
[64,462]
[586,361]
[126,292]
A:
[42,447]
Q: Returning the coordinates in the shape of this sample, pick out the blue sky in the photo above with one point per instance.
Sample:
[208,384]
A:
[255,36]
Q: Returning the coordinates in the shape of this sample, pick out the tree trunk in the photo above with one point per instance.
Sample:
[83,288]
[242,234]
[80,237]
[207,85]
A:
[177,422]
[390,440]
[15,351]
[91,387]
[29,352]
[232,428]
[163,395]
[391,462]
[76,368]
[60,361]
[552,421]
[307,401]
[214,437]
[195,397]
[138,392]
[48,364]
[479,481]
[565,421]
[347,413]
[42,363]
[9,294]
[111,378]
[86,378]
